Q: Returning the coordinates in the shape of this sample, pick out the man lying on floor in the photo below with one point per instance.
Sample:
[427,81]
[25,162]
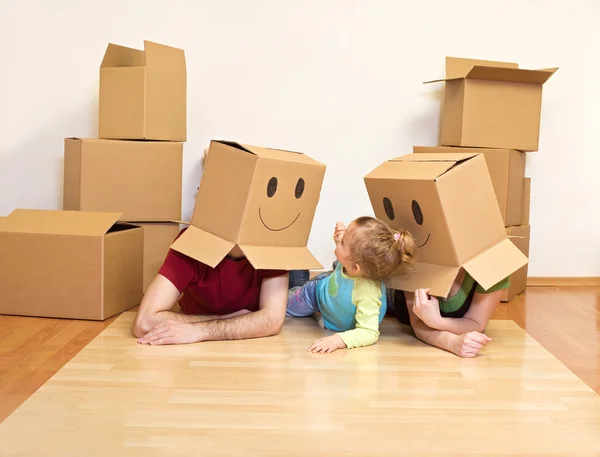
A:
[228,302]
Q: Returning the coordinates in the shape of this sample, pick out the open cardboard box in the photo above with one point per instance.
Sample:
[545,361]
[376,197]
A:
[447,202]
[140,179]
[143,93]
[262,200]
[507,170]
[69,264]
[491,104]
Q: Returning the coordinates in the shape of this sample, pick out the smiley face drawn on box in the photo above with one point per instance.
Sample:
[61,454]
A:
[413,205]
[259,199]
[282,202]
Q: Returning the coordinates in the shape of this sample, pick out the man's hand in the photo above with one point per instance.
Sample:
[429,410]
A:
[172,332]
[469,344]
[327,344]
[427,308]
[338,233]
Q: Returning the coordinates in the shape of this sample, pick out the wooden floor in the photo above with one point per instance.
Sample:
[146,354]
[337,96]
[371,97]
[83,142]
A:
[265,394]
[268,397]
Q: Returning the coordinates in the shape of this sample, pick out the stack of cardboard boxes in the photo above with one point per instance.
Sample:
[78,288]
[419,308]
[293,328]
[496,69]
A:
[121,203]
[495,107]
[136,166]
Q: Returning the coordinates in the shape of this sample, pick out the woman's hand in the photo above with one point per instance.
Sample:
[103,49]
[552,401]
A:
[427,308]
[338,233]
[327,344]
[469,344]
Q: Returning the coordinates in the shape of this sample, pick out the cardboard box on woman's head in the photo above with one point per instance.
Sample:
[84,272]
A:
[447,202]
[263,200]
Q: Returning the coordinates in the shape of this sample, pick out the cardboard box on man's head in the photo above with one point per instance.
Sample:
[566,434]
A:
[491,104]
[262,200]
[447,202]
[143,93]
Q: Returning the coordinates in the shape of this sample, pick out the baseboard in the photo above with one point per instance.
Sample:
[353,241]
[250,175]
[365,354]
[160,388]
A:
[547,281]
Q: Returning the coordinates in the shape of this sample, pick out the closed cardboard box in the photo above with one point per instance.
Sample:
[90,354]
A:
[491,104]
[158,238]
[447,202]
[69,264]
[143,93]
[141,179]
[526,201]
[507,170]
[260,199]
[520,236]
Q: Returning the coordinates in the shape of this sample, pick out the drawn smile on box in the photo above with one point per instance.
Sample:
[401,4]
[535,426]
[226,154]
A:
[271,189]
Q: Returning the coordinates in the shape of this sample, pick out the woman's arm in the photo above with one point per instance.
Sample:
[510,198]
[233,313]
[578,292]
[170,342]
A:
[466,345]
[477,317]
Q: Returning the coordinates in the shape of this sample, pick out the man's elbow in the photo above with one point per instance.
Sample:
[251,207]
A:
[275,324]
[141,326]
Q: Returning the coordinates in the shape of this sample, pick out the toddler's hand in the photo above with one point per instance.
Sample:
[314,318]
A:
[339,231]
[327,344]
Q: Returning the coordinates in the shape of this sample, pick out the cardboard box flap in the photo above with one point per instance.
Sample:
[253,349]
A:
[164,56]
[121,56]
[277,154]
[281,257]
[410,170]
[435,157]
[513,75]
[458,67]
[86,223]
[202,246]
[437,278]
[495,264]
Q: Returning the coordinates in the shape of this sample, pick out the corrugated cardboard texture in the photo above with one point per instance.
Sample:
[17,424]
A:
[520,237]
[141,179]
[491,104]
[507,170]
[259,198]
[157,241]
[454,217]
[143,93]
[526,201]
[56,264]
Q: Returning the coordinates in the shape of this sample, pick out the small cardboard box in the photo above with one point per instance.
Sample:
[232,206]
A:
[491,104]
[447,202]
[520,237]
[507,170]
[526,201]
[158,238]
[143,93]
[141,179]
[69,264]
[262,200]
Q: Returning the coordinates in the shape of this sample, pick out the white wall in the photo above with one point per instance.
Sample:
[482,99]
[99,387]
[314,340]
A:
[339,80]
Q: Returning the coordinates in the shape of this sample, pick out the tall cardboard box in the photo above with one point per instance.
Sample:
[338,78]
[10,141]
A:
[447,202]
[520,237]
[262,200]
[491,104]
[140,179]
[158,238]
[143,93]
[69,264]
[507,170]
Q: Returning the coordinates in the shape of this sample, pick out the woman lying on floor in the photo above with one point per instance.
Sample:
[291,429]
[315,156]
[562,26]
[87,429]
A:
[455,323]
